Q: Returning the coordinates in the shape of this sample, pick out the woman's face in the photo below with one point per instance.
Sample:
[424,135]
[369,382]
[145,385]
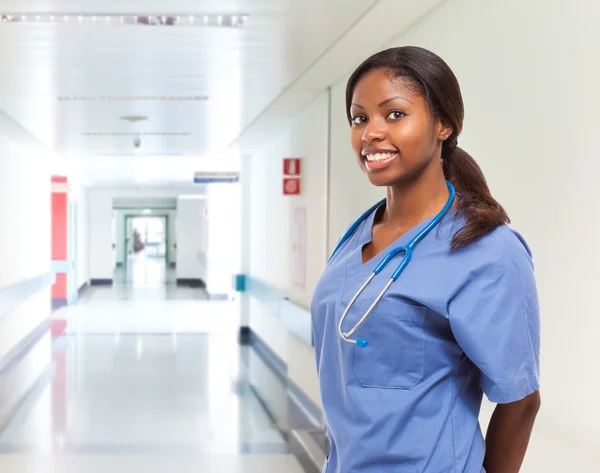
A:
[394,134]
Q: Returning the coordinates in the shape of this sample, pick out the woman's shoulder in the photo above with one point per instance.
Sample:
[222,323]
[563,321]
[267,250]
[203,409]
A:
[504,248]
[512,240]
[501,258]
[502,240]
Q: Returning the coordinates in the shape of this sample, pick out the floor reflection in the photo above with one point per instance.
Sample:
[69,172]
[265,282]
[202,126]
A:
[144,394]
[145,269]
[147,378]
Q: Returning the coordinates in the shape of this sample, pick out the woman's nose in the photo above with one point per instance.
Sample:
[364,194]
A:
[374,131]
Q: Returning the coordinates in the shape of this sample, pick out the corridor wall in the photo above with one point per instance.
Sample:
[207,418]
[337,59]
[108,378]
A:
[270,267]
[79,194]
[528,79]
[192,241]
[25,273]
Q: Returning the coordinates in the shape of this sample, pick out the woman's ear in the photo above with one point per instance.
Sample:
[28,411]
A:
[445,130]
[445,134]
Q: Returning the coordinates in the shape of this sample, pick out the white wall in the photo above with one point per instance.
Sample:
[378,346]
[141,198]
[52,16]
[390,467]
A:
[270,232]
[25,213]
[79,195]
[192,239]
[172,237]
[100,235]
[223,202]
[25,252]
[529,78]
[272,212]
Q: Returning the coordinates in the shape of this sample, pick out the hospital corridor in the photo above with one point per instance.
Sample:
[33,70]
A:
[327,236]
[166,390]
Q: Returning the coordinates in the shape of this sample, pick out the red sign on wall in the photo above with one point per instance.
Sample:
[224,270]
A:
[291,167]
[291,176]
[291,186]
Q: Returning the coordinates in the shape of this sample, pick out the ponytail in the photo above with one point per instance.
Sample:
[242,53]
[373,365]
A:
[481,212]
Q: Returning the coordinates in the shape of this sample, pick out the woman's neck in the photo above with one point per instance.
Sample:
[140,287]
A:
[409,204]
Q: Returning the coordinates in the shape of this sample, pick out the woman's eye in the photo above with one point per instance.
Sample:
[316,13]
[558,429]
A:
[396,115]
[358,120]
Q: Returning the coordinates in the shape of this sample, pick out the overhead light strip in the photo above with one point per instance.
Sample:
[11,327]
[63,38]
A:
[139,155]
[142,133]
[206,21]
[135,98]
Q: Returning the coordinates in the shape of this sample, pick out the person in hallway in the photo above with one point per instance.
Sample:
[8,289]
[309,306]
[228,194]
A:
[403,361]
[138,244]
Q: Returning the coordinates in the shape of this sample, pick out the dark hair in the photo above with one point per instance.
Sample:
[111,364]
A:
[435,81]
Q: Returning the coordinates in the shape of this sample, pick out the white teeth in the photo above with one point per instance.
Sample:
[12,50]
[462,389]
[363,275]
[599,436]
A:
[380,156]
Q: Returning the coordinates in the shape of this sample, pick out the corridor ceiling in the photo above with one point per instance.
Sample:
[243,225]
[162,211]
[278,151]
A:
[154,90]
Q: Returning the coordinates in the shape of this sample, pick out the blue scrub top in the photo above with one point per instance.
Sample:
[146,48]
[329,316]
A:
[453,326]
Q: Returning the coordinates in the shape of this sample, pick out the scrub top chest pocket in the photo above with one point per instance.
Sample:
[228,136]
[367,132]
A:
[395,355]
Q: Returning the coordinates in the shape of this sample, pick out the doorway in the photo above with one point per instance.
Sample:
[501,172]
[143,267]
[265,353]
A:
[146,243]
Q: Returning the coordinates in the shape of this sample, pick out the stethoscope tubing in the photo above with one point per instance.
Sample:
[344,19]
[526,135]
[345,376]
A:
[408,252]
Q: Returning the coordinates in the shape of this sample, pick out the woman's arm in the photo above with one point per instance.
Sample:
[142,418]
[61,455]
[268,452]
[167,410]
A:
[508,434]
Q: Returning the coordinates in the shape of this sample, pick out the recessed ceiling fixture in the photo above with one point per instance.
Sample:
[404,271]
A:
[210,21]
[134,118]
[138,98]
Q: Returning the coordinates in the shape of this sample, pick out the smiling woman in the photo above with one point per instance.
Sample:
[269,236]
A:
[417,108]
[461,319]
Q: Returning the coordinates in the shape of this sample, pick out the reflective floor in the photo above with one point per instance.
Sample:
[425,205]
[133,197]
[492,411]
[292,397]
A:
[145,269]
[145,382]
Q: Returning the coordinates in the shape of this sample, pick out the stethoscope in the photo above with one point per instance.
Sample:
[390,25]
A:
[406,250]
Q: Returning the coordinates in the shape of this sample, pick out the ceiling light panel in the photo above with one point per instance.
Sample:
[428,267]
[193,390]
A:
[133,133]
[135,98]
[192,20]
